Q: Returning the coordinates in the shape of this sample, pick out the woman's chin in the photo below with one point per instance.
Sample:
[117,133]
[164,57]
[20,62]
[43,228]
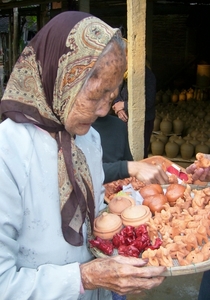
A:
[82,130]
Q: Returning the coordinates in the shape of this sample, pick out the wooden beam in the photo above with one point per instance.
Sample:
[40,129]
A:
[136,21]
[22,3]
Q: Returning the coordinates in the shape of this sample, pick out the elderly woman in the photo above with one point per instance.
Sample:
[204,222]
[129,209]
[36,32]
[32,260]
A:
[50,166]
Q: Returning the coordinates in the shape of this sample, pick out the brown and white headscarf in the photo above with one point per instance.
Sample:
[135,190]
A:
[41,90]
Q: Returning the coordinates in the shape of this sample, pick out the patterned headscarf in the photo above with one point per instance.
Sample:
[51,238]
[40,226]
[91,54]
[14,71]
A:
[41,90]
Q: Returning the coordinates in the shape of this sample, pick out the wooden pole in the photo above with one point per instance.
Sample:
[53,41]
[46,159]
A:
[15,34]
[9,69]
[136,21]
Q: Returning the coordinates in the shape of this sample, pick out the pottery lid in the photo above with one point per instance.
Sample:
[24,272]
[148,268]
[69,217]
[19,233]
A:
[119,203]
[107,222]
[136,212]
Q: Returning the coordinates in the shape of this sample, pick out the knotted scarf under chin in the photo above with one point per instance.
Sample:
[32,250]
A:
[77,206]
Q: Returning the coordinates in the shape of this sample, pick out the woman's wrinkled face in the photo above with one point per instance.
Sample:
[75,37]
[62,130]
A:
[95,98]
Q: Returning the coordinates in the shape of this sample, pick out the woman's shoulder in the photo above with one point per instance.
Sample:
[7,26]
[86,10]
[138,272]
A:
[21,138]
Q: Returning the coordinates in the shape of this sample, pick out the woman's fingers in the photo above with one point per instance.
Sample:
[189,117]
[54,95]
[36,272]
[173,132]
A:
[121,274]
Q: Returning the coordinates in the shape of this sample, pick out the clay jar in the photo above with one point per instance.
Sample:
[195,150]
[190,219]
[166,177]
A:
[165,98]
[156,126]
[166,126]
[119,203]
[157,147]
[175,97]
[194,141]
[179,140]
[107,225]
[136,215]
[201,147]
[178,126]
[172,149]
[189,94]
[162,137]
[187,150]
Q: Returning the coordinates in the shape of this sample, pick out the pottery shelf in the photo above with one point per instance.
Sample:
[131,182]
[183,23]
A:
[167,134]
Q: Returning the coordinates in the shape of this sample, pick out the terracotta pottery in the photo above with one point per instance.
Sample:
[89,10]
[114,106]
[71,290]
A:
[182,96]
[156,126]
[162,137]
[173,137]
[175,97]
[207,117]
[194,141]
[179,140]
[157,147]
[155,202]
[187,137]
[158,97]
[187,150]
[208,143]
[202,147]
[202,137]
[106,225]
[201,114]
[136,215]
[166,126]
[173,192]
[194,132]
[190,94]
[165,98]
[119,203]
[172,149]
[178,126]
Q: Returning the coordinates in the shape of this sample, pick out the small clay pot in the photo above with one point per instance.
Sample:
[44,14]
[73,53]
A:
[119,203]
[136,215]
[107,225]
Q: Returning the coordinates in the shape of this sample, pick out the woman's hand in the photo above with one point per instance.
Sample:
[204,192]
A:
[200,169]
[122,115]
[118,106]
[147,173]
[123,275]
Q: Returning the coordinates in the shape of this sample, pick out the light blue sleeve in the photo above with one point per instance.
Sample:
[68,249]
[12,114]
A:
[47,281]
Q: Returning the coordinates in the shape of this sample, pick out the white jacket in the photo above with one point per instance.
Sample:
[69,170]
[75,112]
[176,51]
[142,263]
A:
[35,261]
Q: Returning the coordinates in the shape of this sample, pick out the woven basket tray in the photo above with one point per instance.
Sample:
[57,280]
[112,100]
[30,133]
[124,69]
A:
[176,270]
